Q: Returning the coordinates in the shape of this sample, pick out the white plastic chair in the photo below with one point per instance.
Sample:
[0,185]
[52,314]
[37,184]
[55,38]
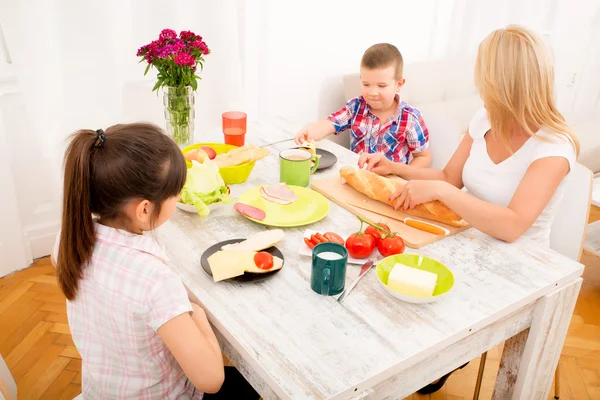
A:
[567,235]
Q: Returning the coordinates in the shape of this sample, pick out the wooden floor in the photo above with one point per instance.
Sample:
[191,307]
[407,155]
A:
[37,346]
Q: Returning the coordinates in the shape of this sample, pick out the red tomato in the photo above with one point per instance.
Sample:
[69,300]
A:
[314,239]
[263,260]
[334,238]
[321,238]
[360,245]
[376,233]
[309,243]
[390,246]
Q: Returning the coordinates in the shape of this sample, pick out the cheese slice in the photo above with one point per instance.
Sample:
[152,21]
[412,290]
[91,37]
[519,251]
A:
[412,281]
[258,242]
[229,264]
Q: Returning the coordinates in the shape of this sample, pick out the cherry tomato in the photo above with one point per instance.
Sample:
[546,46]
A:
[360,245]
[390,246]
[321,238]
[263,260]
[376,233]
[334,238]
[314,239]
[309,243]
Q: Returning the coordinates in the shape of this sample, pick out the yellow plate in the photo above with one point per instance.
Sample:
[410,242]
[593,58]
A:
[309,208]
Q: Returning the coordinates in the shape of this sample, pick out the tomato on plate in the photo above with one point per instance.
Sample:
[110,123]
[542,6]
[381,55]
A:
[360,245]
[263,260]
[388,246]
[334,238]
[309,243]
[317,238]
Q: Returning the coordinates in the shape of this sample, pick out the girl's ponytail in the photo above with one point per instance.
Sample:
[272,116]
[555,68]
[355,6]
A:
[77,236]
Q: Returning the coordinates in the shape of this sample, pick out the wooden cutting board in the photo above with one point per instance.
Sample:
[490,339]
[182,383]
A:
[345,195]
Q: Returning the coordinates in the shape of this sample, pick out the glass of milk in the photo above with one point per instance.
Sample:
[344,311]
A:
[328,274]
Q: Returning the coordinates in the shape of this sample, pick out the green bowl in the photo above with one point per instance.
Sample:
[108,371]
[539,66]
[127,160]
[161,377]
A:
[230,175]
[445,280]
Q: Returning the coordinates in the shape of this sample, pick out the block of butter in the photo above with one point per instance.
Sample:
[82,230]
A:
[411,281]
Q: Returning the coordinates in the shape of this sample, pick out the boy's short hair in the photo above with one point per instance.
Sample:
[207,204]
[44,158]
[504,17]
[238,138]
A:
[383,55]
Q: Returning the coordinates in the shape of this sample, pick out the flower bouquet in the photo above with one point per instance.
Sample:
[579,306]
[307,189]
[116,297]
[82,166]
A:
[176,59]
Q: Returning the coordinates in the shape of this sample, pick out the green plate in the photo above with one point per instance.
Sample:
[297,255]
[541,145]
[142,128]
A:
[445,280]
[309,208]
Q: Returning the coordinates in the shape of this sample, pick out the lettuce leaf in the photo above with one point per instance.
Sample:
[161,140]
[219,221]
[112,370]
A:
[204,186]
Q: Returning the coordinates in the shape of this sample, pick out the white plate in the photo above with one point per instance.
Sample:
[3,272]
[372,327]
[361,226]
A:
[305,251]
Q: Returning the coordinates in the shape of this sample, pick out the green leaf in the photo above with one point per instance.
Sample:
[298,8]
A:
[147,68]
[194,84]
[158,83]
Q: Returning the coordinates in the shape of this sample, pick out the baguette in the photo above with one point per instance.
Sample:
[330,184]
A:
[381,188]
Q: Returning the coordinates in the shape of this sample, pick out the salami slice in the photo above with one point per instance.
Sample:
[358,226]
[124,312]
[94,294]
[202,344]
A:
[250,211]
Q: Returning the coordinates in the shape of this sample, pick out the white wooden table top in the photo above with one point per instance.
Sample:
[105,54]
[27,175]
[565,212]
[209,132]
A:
[305,345]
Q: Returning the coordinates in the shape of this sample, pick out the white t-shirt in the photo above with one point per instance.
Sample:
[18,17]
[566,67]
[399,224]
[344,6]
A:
[497,183]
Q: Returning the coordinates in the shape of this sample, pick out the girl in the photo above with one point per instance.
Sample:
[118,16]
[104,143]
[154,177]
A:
[138,334]
[514,156]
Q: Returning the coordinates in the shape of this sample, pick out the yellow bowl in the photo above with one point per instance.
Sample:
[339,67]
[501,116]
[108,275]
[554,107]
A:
[231,175]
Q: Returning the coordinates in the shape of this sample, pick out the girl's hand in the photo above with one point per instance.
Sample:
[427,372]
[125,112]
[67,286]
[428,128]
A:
[376,163]
[416,192]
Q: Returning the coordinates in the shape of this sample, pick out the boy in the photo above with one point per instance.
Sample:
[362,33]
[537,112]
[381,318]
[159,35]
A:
[378,120]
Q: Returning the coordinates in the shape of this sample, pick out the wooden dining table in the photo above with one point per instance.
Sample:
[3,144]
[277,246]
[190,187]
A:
[292,343]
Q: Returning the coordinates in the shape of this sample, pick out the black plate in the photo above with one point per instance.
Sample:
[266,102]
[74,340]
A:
[327,160]
[248,276]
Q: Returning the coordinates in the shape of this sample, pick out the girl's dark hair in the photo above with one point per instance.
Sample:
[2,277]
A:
[133,161]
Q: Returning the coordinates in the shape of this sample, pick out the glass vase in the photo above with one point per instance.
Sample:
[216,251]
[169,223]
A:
[180,112]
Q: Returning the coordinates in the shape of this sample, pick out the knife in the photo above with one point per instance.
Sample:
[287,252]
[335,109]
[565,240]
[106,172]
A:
[363,271]
[414,223]
[280,141]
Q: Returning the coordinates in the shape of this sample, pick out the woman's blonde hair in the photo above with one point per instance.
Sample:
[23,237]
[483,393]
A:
[515,78]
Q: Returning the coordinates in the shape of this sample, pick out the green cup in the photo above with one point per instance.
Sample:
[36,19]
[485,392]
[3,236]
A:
[328,273]
[295,167]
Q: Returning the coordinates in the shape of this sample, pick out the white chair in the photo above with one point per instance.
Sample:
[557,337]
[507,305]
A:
[80,397]
[567,235]
[444,93]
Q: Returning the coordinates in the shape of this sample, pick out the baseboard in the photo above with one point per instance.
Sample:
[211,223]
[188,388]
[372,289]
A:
[41,238]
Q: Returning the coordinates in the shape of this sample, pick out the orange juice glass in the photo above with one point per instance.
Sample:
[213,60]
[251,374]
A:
[234,127]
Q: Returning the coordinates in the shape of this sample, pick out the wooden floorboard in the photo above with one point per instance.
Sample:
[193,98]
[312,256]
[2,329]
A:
[36,342]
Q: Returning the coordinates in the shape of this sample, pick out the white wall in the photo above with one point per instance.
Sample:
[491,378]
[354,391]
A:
[313,43]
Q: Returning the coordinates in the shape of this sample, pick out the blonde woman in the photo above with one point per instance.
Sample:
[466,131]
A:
[515,154]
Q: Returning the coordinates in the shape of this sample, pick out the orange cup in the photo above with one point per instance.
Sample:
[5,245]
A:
[234,127]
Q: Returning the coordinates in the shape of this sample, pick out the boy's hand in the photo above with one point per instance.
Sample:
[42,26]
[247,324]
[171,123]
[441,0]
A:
[377,163]
[314,131]
[302,136]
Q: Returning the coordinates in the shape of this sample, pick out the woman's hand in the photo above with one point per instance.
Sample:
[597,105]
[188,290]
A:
[376,163]
[416,192]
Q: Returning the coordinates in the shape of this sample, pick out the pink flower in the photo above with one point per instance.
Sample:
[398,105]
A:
[173,48]
[167,34]
[185,59]
[188,36]
[204,49]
